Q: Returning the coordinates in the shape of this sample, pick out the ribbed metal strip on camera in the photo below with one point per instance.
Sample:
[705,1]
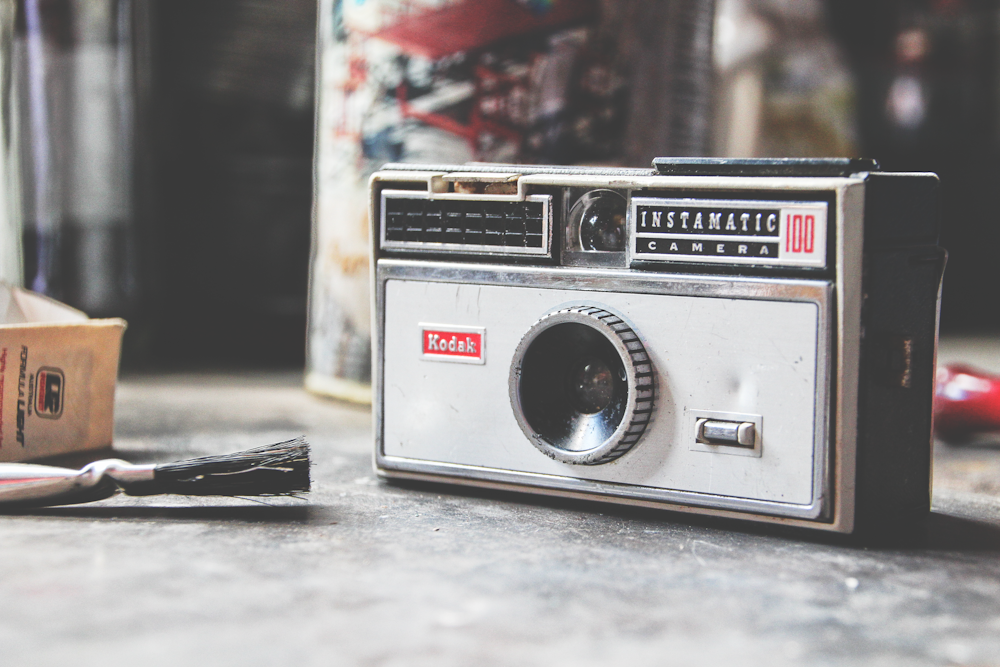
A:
[413,220]
[644,386]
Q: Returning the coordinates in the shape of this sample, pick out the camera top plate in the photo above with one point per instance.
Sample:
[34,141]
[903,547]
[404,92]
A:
[786,166]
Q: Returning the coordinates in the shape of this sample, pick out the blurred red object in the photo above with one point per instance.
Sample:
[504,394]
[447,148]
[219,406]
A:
[966,403]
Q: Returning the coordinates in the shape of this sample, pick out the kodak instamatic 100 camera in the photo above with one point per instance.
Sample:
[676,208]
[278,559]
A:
[743,338]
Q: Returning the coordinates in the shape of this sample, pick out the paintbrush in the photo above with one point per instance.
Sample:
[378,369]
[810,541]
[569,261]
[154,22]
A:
[275,470]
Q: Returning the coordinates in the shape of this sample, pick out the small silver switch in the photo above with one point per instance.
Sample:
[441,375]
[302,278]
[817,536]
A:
[718,432]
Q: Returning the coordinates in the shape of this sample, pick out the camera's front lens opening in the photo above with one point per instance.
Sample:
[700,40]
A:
[599,215]
[581,385]
[573,387]
[590,385]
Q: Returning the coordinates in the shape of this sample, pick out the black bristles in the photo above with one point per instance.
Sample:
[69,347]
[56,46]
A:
[274,470]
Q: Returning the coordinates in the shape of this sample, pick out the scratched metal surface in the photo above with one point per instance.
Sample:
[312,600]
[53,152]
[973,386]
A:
[370,574]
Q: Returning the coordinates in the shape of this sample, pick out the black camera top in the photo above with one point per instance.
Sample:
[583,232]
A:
[785,166]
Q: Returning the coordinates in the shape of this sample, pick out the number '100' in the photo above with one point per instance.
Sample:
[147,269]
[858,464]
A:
[801,230]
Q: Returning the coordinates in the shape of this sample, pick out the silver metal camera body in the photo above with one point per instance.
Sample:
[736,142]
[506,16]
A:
[746,338]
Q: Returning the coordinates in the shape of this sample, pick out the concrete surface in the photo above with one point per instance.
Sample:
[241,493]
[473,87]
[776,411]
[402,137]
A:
[368,574]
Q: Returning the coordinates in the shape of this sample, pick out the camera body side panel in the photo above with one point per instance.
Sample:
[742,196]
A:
[903,271]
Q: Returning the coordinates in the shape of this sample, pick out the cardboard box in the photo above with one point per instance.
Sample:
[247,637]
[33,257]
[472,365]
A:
[58,370]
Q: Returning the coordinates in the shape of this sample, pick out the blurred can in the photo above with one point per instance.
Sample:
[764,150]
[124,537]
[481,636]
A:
[11,259]
[72,72]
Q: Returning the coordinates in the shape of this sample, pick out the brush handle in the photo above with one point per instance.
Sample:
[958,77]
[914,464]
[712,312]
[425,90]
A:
[274,470]
[966,402]
[27,484]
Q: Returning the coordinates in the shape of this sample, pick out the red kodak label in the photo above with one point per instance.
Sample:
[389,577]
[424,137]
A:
[462,344]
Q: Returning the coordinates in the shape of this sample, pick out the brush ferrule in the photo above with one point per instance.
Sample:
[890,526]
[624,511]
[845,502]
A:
[126,473]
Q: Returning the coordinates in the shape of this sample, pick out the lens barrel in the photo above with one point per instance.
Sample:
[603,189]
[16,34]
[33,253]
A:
[581,385]
[599,215]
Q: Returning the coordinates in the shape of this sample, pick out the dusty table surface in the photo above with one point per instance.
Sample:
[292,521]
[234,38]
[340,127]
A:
[365,573]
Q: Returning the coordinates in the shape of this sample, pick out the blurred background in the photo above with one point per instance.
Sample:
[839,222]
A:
[160,157]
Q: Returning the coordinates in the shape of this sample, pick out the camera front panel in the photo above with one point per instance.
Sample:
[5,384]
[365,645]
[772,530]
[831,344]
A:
[717,355]
[724,376]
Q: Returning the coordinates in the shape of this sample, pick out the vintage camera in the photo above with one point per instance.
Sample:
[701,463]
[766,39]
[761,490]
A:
[744,338]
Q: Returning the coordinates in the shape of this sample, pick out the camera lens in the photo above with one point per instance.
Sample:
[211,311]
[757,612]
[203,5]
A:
[591,385]
[600,217]
[581,385]
[572,391]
